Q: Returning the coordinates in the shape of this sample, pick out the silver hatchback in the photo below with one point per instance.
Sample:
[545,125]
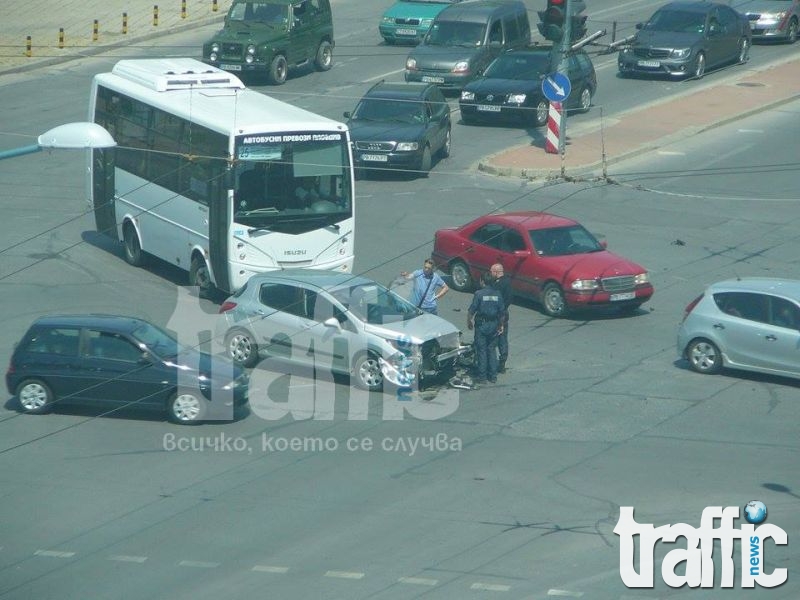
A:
[339,322]
[749,324]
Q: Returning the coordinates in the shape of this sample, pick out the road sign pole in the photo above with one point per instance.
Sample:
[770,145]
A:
[563,68]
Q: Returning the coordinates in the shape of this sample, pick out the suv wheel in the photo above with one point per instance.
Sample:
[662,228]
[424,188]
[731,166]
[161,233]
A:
[278,70]
[34,396]
[324,59]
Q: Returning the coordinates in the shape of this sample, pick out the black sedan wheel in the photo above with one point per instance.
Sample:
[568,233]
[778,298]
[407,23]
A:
[186,408]
[540,116]
[585,100]
[744,51]
[448,140]
[426,161]
[700,66]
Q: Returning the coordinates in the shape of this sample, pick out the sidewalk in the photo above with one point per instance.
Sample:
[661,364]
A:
[649,127]
[42,19]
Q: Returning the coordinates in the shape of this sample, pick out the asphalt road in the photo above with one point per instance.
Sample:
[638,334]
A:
[513,495]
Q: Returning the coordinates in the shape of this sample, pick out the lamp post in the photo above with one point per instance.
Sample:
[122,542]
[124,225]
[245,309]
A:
[72,135]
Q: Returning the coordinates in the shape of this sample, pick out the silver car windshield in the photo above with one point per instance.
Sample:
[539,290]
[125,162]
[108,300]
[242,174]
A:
[375,304]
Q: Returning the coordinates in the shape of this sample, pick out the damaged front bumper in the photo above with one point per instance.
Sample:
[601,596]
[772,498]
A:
[404,371]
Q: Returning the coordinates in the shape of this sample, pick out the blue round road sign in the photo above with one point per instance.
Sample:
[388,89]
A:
[556,87]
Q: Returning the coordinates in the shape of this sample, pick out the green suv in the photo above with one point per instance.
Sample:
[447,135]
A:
[407,21]
[271,36]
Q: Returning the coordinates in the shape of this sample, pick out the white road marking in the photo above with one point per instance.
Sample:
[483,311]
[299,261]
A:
[750,131]
[565,593]
[270,569]
[54,553]
[418,580]
[198,564]
[344,574]
[671,153]
[127,558]
[490,587]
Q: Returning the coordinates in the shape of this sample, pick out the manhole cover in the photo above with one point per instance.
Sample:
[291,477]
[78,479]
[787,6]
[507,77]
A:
[749,84]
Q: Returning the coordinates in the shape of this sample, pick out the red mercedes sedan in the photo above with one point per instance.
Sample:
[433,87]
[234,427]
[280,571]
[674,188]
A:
[550,259]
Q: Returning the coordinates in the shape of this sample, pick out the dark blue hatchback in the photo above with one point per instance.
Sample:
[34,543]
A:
[122,361]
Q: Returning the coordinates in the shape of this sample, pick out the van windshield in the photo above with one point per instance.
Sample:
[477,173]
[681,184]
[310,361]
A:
[455,33]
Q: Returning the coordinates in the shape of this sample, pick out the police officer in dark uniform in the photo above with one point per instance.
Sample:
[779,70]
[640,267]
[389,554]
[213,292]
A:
[503,285]
[485,317]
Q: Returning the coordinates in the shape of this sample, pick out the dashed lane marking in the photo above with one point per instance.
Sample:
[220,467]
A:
[418,581]
[565,593]
[270,569]
[490,587]
[54,553]
[198,564]
[127,558]
[344,574]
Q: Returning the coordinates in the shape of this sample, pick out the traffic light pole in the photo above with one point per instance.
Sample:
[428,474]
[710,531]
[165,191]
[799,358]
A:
[563,68]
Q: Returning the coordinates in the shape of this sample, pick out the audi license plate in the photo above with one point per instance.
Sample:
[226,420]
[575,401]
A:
[650,64]
[623,296]
[406,32]
[488,108]
[230,67]
[432,79]
[375,157]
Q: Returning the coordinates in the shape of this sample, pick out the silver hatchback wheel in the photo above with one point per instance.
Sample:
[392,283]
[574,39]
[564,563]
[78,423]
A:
[242,348]
[368,372]
[704,356]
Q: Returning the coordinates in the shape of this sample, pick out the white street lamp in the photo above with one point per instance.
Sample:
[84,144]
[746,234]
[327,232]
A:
[71,135]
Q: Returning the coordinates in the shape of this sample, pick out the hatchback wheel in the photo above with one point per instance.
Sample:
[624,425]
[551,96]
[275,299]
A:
[186,408]
[460,276]
[34,396]
[553,300]
[367,369]
[704,356]
[241,348]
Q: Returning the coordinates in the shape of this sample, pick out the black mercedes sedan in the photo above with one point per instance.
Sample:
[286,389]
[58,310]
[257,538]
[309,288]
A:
[511,87]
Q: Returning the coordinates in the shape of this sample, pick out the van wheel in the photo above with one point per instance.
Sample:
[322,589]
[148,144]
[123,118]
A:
[199,275]
[704,357]
[34,396]
[133,248]
[324,59]
[186,408]
[367,371]
[278,70]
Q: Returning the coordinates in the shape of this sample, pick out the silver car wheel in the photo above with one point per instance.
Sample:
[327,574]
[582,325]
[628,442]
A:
[704,356]
[553,300]
[242,348]
[744,51]
[460,276]
[368,372]
[586,99]
[187,407]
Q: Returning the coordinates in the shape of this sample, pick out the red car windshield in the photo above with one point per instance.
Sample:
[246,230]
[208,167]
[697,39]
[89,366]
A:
[559,241]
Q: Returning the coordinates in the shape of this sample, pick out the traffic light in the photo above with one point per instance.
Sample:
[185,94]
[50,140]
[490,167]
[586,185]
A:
[577,21]
[552,20]
[577,27]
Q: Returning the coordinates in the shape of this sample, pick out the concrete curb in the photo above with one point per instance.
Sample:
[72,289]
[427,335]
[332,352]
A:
[489,164]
